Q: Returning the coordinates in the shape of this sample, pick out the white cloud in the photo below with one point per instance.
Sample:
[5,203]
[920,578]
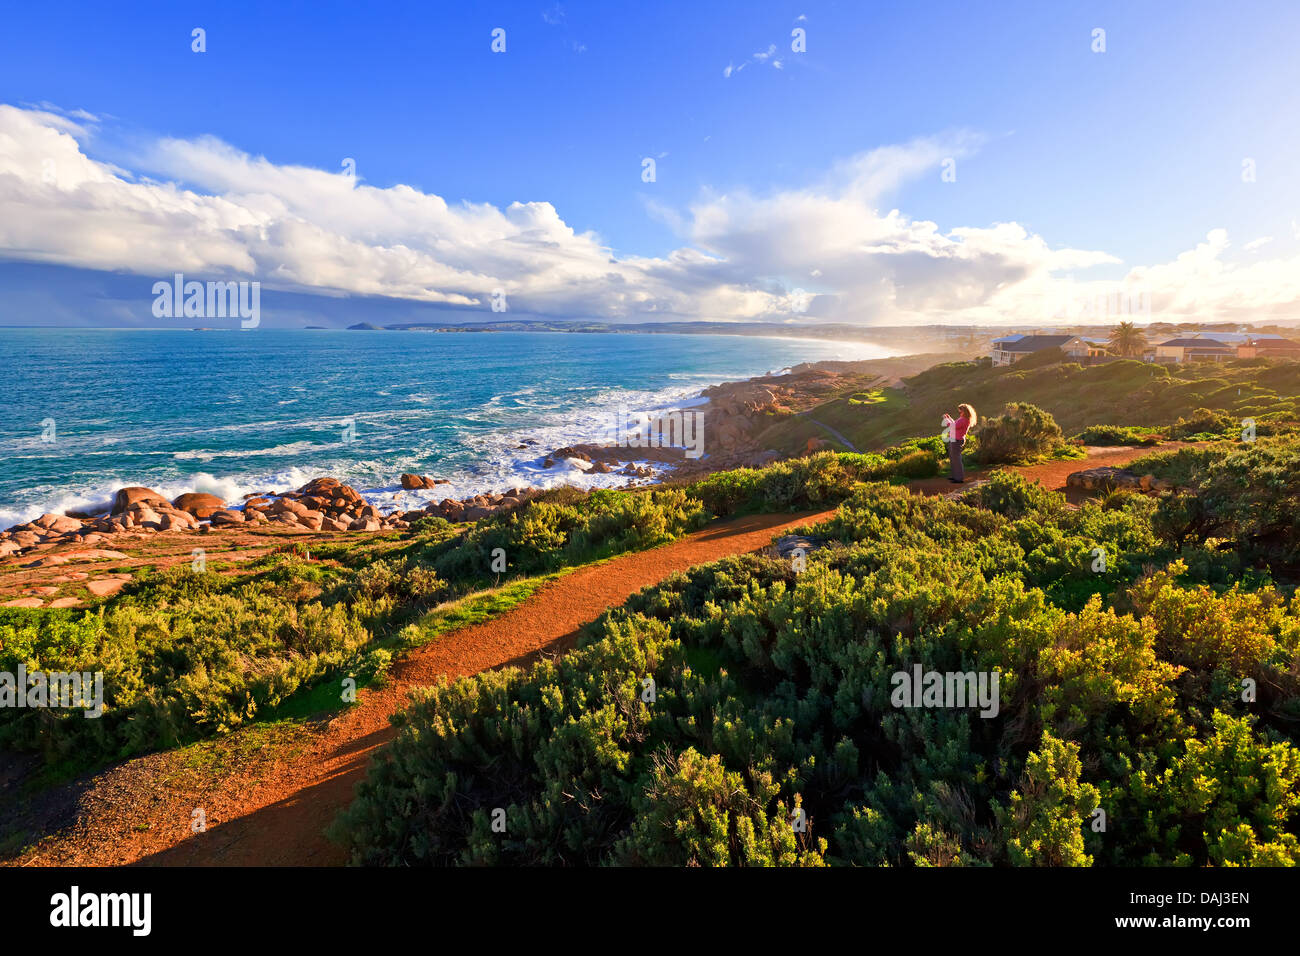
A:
[1258,243]
[762,56]
[742,253]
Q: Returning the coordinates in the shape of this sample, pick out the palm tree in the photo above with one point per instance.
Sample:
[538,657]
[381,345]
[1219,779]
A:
[1127,340]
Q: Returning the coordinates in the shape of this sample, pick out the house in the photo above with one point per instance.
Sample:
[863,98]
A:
[1232,339]
[1098,346]
[1011,349]
[1269,346]
[1194,349]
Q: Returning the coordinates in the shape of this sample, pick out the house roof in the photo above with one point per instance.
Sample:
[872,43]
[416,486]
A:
[1276,343]
[1210,344]
[1036,343]
[1227,338]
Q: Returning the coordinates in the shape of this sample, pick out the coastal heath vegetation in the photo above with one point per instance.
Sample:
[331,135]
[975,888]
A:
[1023,432]
[740,713]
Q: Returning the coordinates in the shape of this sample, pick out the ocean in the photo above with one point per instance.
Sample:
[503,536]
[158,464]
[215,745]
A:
[229,412]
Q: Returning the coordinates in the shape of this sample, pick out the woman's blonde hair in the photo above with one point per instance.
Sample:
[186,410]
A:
[970,413]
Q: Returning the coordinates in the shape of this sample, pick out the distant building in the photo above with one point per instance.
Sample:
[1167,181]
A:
[1098,346]
[1193,348]
[1223,346]
[1226,338]
[1269,346]
[1011,349]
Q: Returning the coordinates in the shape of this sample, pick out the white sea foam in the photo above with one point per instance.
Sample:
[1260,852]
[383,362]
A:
[294,448]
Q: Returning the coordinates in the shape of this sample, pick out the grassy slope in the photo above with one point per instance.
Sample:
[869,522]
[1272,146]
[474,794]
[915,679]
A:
[1076,396]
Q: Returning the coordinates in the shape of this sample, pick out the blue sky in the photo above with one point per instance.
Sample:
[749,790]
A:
[1135,153]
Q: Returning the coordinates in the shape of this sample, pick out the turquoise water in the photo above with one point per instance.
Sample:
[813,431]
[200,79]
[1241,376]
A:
[234,411]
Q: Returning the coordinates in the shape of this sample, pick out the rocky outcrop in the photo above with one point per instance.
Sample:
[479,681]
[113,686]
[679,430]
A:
[58,524]
[321,504]
[480,506]
[199,504]
[416,482]
[1109,479]
[126,497]
[790,546]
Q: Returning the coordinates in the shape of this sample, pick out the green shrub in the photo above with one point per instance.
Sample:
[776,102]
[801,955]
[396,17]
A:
[1021,433]
[1248,493]
[554,531]
[933,444]
[1010,495]
[1042,819]
[820,480]
[430,525]
[185,667]
[918,464]
[1117,435]
[1204,425]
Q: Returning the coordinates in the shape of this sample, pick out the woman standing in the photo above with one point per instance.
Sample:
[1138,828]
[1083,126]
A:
[955,434]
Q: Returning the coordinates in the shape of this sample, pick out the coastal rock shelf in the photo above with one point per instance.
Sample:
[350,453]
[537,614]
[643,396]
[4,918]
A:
[323,504]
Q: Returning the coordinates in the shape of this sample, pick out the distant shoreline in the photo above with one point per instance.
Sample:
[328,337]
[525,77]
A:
[896,339]
[759,329]
[911,339]
[815,333]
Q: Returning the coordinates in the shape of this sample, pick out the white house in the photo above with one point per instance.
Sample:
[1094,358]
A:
[1009,350]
